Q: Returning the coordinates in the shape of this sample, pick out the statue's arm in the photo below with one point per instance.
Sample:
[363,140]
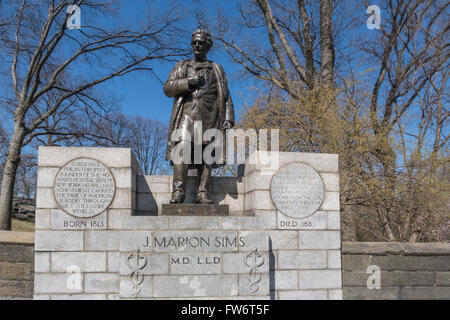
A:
[175,86]
[229,107]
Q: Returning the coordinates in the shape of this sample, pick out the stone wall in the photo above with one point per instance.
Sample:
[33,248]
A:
[305,253]
[407,271]
[16,264]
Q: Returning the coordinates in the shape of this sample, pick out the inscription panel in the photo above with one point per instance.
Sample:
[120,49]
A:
[84,188]
[297,190]
[180,254]
[62,221]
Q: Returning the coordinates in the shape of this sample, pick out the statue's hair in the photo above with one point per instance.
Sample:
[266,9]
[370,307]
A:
[204,33]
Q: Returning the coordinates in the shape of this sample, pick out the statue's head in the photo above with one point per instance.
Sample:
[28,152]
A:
[201,43]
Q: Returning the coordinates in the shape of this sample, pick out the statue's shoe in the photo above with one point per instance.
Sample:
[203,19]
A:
[203,199]
[177,197]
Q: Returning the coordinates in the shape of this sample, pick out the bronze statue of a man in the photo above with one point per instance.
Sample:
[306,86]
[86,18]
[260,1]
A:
[200,92]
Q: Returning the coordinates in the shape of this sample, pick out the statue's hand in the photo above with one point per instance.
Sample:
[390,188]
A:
[195,81]
[227,125]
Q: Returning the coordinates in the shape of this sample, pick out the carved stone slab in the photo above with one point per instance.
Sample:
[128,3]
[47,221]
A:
[84,187]
[297,190]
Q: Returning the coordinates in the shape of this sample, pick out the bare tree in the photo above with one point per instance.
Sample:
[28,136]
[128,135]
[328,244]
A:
[25,186]
[386,118]
[149,144]
[111,130]
[3,148]
[287,45]
[44,54]
[410,50]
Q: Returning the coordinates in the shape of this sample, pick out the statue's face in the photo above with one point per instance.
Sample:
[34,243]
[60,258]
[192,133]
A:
[199,47]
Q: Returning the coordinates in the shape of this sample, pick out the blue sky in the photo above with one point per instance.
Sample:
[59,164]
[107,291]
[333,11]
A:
[142,94]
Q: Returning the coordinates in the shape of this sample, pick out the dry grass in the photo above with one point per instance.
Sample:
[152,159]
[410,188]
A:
[19,225]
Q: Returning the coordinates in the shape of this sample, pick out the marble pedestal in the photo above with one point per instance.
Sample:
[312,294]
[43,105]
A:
[130,250]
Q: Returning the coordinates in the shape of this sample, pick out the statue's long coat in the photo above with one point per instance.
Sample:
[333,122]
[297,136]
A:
[177,86]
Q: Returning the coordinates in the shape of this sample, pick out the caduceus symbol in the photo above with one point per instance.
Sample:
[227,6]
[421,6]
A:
[254,260]
[136,262]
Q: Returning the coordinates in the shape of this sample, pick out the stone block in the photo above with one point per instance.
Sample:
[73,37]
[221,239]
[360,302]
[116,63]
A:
[42,219]
[156,263]
[12,252]
[335,294]
[334,220]
[46,176]
[318,221]
[234,201]
[412,263]
[334,259]
[302,259]
[227,185]
[255,181]
[443,279]
[193,222]
[59,240]
[16,271]
[330,201]
[396,248]
[258,200]
[303,295]
[110,157]
[363,293]
[102,240]
[144,222]
[242,223]
[128,289]
[42,262]
[16,289]
[283,239]
[45,199]
[131,241]
[425,293]
[321,162]
[122,199]
[195,286]
[113,262]
[254,240]
[195,241]
[355,262]
[285,280]
[58,283]
[123,178]
[234,263]
[85,261]
[78,297]
[63,221]
[101,283]
[162,198]
[390,278]
[199,263]
[143,183]
[330,181]
[115,217]
[319,240]
[320,279]
[260,288]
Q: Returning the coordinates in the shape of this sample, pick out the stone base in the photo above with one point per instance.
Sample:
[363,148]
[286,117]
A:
[186,251]
[187,209]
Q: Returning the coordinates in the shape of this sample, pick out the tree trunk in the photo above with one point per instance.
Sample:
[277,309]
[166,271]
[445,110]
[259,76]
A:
[9,177]
[326,42]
